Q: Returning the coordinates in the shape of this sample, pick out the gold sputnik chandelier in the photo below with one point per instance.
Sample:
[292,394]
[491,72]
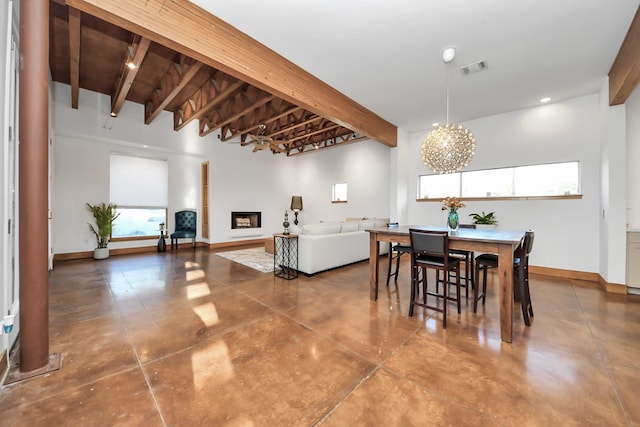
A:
[451,147]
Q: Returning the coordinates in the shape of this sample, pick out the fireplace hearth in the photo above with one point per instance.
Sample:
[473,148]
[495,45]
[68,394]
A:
[246,220]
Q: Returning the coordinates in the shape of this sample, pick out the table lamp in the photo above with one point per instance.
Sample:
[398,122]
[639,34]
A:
[296,206]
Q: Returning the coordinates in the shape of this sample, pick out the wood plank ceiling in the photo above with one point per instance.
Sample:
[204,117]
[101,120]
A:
[90,53]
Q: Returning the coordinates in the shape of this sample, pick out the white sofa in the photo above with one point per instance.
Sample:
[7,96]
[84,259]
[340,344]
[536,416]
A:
[326,245]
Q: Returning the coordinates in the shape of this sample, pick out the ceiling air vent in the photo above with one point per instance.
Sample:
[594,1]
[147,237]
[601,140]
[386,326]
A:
[474,68]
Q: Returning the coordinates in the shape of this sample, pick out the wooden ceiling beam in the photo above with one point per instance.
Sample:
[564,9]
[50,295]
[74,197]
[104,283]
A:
[296,125]
[265,122]
[207,125]
[186,28]
[211,94]
[140,47]
[74,55]
[316,132]
[176,78]
[624,74]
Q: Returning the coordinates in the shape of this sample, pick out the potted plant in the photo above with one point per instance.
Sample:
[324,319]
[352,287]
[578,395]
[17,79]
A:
[484,220]
[104,215]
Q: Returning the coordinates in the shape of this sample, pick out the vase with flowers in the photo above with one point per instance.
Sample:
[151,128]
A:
[452,204]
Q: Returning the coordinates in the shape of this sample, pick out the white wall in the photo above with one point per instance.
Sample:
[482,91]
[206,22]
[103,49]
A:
[364,166]
[566,230]
[633,160]
[240,180]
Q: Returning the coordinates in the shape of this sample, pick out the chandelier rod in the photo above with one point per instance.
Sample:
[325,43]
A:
[447,80]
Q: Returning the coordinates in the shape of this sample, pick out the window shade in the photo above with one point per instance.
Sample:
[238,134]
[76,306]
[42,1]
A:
[139,181]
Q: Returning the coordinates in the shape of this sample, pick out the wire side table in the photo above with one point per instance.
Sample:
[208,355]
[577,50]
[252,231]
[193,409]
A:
[285,257]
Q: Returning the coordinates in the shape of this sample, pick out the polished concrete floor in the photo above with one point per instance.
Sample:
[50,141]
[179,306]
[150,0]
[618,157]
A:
[193,339]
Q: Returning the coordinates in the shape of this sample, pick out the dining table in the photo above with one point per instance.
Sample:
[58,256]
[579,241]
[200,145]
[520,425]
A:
[500,242]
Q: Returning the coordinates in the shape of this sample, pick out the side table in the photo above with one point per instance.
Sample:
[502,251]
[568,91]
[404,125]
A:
[285,257]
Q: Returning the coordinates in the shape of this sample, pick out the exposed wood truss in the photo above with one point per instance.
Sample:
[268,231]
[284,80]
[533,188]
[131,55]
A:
[176,78]
[130,66]
[211,73]
[624,75]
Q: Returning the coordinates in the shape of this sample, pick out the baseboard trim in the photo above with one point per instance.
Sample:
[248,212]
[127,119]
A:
[123,251]
[128,251]
[565,274]
[224,245]
[612,288]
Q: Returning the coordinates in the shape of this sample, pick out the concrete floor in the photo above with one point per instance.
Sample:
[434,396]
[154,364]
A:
[192,339]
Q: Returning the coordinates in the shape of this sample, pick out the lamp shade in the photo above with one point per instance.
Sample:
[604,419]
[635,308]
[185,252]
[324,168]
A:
[296,203]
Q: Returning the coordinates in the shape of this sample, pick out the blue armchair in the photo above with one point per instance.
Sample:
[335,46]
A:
[185,228]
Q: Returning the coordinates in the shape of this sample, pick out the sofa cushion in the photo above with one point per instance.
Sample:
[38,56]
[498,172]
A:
[380,222]
[318,229]
[365,224]
[348,227]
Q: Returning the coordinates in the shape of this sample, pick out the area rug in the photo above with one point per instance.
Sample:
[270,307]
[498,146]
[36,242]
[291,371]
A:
[255,258]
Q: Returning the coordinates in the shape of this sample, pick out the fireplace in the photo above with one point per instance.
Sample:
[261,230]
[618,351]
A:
[244,220]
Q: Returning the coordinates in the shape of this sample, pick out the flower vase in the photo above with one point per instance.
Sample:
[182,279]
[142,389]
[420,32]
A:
[453,221]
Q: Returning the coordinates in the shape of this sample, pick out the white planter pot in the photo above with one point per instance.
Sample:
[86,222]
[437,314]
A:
[486,226]
[101,253]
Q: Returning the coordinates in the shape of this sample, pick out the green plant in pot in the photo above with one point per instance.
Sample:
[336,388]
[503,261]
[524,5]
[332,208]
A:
[104,215]
[484,219]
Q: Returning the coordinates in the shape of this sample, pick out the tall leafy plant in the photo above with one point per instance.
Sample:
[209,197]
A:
[104,215]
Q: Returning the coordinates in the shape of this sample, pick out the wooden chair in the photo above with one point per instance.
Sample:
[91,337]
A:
[520,278]
[468,258]
[396,250]
[430,250]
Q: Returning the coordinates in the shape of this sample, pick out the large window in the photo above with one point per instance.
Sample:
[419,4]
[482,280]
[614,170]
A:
[139,186]
[547,180]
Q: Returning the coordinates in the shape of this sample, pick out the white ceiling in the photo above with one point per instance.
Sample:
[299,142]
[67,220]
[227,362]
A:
[386,55]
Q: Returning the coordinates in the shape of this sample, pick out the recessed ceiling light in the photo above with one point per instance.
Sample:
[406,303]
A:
[545,100]
[435,124]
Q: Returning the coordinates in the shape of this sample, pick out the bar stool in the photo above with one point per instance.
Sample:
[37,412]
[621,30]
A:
[396,250]
[468,258]
[521,276]
[430,249]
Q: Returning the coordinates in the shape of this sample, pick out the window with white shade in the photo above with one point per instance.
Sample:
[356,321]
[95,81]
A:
[139,187]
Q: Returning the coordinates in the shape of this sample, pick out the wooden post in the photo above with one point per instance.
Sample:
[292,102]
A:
[33,184]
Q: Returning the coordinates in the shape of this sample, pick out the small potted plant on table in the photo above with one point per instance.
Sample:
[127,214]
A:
[484,220]
[104,214]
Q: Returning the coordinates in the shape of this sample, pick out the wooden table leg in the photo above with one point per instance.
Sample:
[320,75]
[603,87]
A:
[505,284]
[374,260]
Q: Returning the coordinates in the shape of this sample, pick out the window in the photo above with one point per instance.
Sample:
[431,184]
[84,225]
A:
[138,222]
[339,193]
[438,186]
[139,186]
[547,180]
